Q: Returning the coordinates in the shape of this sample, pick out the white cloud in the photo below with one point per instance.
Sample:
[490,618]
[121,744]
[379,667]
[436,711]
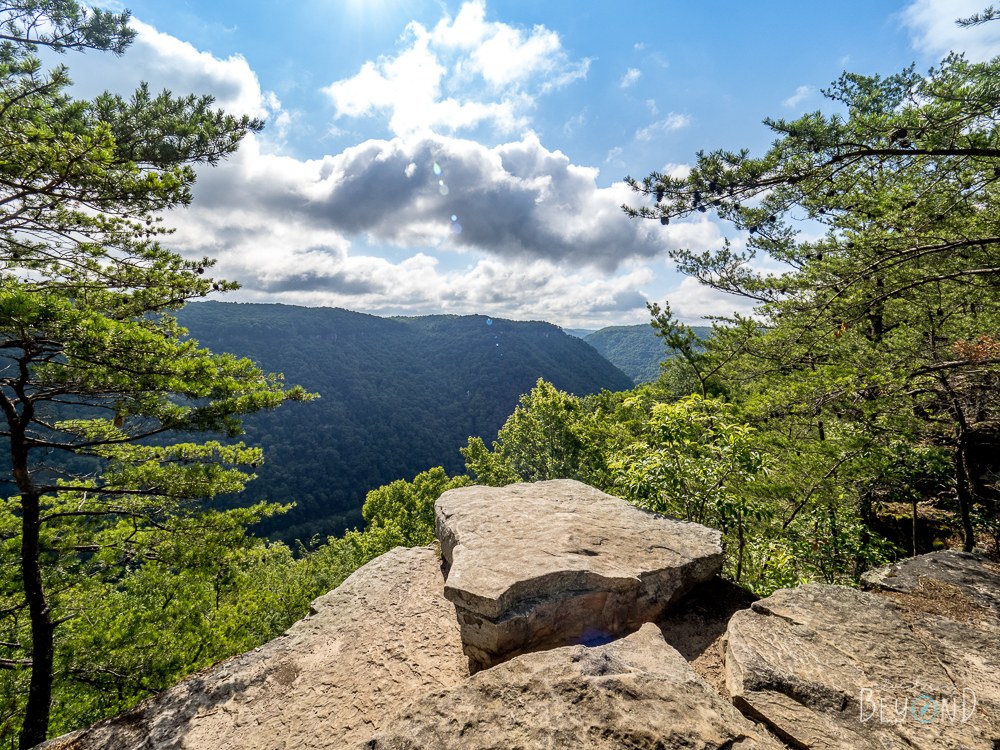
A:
[520,290]
[543,239]
[692,302]
[677,171]
[575,122]
[639,46]
[166,62]
[932,24]
[517,201]
[231,81]
[801,94]
[489,68]
[670,122]
[651,103]
[630,78]
[613,154]
[502,54]
[569,73]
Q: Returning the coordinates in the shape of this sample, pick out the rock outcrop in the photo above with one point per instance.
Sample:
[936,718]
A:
[543,565]
[971,574]
[381,662]
[636,692]
[386,635]
[831,667]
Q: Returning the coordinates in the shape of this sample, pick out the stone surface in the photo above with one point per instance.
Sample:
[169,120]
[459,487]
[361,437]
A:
[548,564]
[636,692]
[384,636]
[971,574]
[827,667]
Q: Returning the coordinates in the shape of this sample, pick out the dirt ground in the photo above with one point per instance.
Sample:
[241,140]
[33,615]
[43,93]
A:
[696,626]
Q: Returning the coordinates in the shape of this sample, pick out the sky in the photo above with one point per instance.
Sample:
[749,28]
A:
[434,156]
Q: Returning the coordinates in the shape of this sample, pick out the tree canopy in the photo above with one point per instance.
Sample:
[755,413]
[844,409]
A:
[885,327]
[92,364]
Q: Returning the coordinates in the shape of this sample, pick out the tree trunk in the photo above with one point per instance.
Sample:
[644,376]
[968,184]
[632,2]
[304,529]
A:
[36,713]
[742,543]
[914,526]
[964,497]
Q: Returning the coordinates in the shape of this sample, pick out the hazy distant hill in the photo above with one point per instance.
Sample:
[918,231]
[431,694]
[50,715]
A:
[635,350]
[580,333]
[399,396]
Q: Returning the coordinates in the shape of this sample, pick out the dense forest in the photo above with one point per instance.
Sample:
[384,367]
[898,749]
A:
[635,350]
[397,396]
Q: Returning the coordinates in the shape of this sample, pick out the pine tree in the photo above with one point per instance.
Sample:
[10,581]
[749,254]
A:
[94,368]
[888,323]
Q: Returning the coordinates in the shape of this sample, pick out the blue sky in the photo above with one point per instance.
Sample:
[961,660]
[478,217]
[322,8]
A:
[533,114]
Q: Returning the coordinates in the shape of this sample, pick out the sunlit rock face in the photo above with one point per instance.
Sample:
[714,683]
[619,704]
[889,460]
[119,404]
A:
[832,667]
[549,564]
[635,692]
[383,637]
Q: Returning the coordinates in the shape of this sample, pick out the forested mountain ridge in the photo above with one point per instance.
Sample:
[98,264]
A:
[635,350]
[397,396]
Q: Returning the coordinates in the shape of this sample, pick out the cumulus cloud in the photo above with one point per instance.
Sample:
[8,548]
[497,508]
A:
[492,70]
[668,123]
[801,94]
[517,201]
[371,228]
[166,62]
[630,77]
[535,290]
[932,24]
[540,237]
[677,171]
[693,302]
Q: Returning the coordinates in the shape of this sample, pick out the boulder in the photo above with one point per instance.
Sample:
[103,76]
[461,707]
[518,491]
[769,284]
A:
[549,564]
[832,667]
[385,635]
[972,574]
[951,599]
[636,692]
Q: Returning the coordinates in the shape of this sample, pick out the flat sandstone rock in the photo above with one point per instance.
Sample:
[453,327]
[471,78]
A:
[972,574]
[382,637]
[828,667]
[636,692]
[549,564]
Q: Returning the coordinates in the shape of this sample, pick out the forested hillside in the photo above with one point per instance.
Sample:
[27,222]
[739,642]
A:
[635,350]
[398,396]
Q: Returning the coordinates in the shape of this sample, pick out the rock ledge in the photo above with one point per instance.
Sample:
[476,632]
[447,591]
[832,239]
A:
[549,564]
